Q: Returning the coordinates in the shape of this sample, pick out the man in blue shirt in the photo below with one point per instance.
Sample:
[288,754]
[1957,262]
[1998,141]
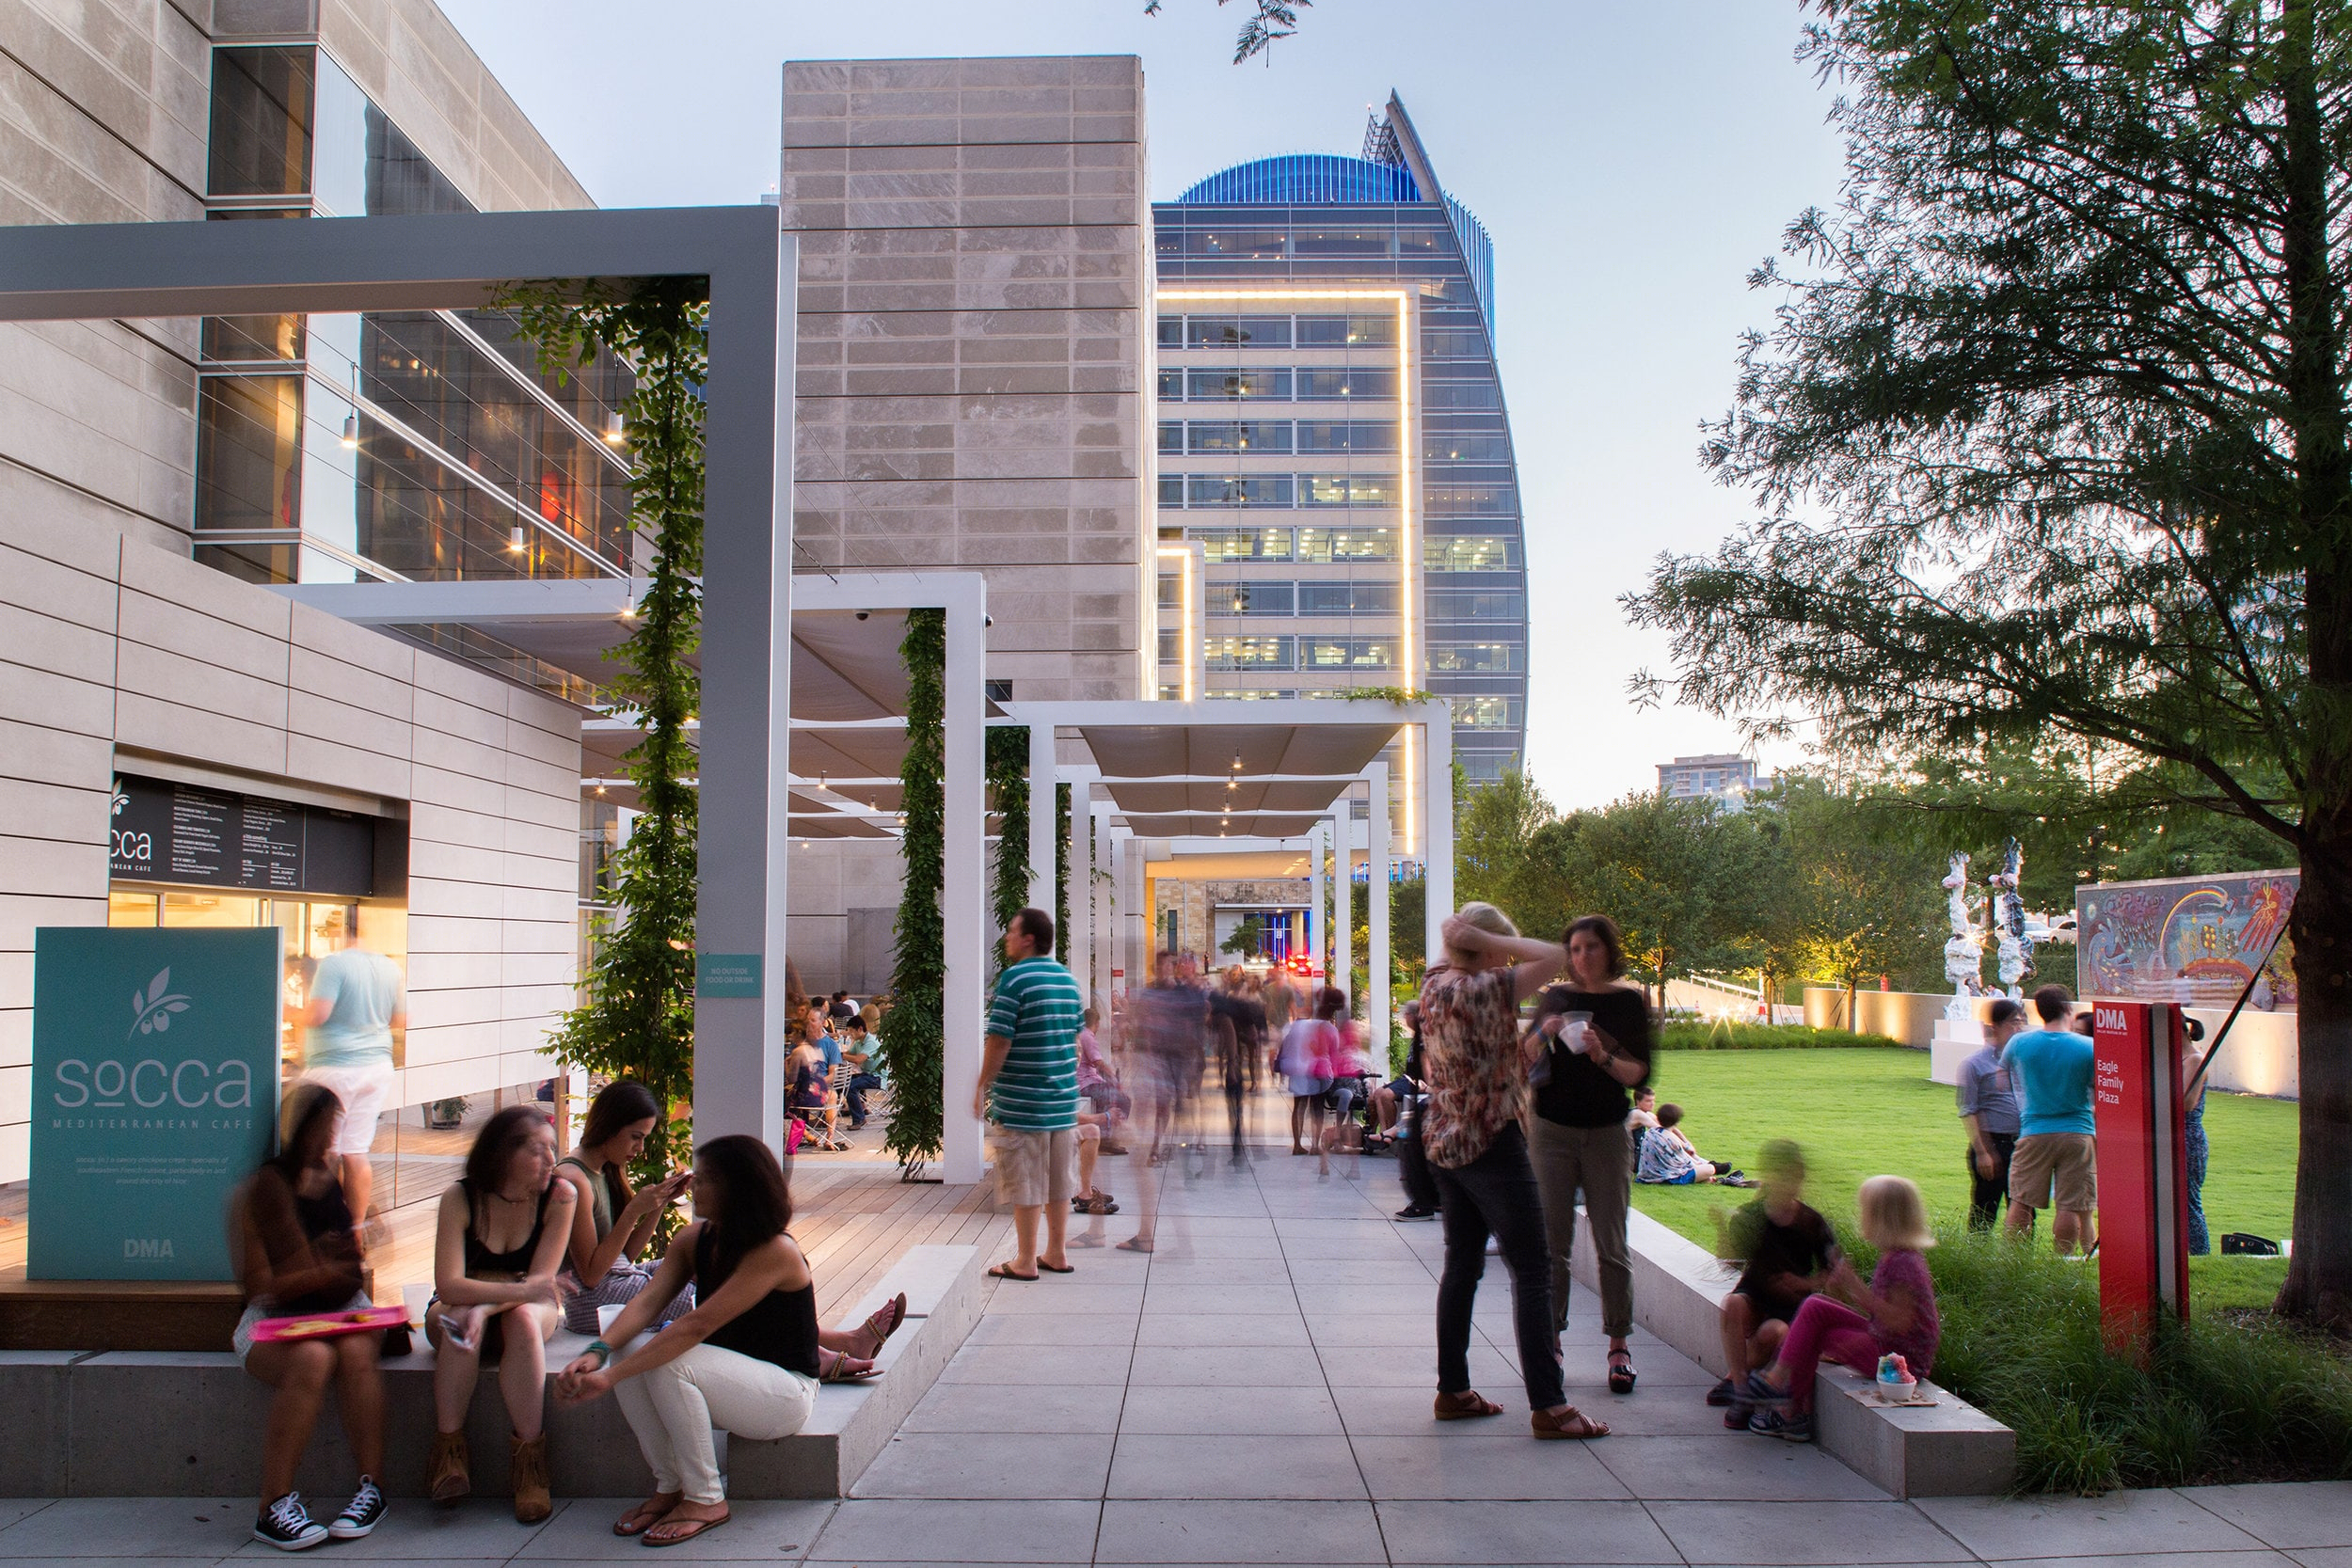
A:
[2056,1157]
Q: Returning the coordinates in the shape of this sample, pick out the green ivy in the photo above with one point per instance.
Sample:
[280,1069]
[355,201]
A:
[1008,788]
[917,1039]
[1062,874]
[638,1018]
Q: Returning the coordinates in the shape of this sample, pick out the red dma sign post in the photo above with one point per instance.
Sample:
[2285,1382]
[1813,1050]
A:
[2143,1170]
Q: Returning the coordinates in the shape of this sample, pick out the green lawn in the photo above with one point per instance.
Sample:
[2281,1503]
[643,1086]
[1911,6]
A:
[1863,1112]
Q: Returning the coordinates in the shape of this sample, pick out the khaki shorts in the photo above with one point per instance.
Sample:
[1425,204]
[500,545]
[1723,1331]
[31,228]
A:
[2068,1162]
[1034,1168]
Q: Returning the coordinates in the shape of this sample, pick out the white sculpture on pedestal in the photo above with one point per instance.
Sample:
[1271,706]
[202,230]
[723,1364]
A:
[1964,954]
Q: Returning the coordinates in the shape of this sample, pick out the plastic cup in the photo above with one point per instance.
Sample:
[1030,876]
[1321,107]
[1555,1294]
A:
[608,1315]
[1574,1033]
[414,1299]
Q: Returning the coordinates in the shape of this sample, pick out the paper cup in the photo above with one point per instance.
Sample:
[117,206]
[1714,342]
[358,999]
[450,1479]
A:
[608,1315]
[414,1297]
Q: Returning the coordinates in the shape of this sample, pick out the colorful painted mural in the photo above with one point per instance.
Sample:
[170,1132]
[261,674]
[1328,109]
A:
[2194,939]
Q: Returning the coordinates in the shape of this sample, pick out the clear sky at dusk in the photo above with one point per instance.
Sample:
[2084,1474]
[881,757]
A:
[1632,161]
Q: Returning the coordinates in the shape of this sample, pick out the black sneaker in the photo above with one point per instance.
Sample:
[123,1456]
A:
[1722,1393]
[1737,1417]
[361,1515]
[1415,1212]
[287,1526]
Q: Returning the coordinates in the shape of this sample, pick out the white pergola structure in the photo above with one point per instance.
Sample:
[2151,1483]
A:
[847,715]
[1212,781]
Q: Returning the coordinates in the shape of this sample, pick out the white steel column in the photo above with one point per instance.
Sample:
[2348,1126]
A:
[963,897]
[1315,950]
[1342,897]
[1078,942]
[1377,958]
[1042,815]
[1437,832]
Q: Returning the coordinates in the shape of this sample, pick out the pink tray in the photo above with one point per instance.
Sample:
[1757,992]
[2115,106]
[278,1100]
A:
[327,1325]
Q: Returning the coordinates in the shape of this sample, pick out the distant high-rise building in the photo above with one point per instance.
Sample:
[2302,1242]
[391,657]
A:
[1726,778]
[1338,500]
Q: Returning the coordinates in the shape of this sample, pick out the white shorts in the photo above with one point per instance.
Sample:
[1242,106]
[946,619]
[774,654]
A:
[363,1091]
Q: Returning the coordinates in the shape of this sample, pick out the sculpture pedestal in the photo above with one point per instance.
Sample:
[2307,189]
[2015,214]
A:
[1956,1041]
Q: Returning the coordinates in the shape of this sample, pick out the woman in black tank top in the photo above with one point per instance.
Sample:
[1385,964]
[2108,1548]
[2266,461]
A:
[299,1256]
[747,1358]
[498,1242]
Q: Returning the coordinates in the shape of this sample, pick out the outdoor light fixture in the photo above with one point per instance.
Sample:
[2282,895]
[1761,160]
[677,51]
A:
[515,540]
[614,429]
[351,432]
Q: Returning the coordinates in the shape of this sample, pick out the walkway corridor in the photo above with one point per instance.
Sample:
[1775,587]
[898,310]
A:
[1256,1392]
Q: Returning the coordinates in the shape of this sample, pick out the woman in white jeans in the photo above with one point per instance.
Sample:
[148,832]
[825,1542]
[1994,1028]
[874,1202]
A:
[746,1359]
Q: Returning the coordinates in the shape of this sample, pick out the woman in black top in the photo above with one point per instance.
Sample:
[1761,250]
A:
[1578,1134]
[299,1255]
[499,1241]
[746,1359]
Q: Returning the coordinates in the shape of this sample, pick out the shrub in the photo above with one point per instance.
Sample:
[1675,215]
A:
[1679,1035]
[2219,1401]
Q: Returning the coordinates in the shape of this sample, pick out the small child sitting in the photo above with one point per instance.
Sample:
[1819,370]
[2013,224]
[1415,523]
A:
[1894,1314]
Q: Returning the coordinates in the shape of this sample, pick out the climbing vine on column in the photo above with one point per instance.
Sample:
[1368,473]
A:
[1009,790]
[1062,874]
[637,1020]
[913,1034]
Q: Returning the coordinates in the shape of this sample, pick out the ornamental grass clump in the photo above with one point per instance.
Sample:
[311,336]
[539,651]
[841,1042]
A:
[2220,1400]
[1693,1036]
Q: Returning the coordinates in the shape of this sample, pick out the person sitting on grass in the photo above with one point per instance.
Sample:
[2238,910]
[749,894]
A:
[1787,1250]
[747,1358]
[1893,1315]
[1667,1158]
[299,1255]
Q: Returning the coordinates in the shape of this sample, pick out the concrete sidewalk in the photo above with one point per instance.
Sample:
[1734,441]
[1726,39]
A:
[1258,1392]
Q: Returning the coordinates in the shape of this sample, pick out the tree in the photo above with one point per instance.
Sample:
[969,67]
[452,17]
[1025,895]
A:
[1863,898]
[1492,828]
[1677,876]
[1248,938]
[1270,20]
[2049,438]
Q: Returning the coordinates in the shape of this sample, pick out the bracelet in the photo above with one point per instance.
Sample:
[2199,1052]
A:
[603,1349]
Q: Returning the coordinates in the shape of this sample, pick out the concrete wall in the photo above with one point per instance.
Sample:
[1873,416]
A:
[975,286]
[113,651]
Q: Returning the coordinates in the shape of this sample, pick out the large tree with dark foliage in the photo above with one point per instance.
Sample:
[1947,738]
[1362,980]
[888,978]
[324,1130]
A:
[2049,438]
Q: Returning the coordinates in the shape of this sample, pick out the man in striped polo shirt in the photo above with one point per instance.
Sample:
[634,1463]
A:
[1029,1088]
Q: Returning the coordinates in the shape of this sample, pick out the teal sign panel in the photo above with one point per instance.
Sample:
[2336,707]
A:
[727,974]
[154,1094]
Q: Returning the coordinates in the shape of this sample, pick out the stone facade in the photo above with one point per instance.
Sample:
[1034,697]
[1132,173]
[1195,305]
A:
[117,655]
[976,280]
[1196,904]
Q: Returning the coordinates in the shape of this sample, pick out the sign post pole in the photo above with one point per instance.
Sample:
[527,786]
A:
[2143,1170]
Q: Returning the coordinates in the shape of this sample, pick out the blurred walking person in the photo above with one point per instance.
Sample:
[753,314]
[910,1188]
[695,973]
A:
[1478,1155]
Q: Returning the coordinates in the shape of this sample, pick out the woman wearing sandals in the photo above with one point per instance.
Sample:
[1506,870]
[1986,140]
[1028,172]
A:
[1592,1039]
[747,1358]
[1478,1155]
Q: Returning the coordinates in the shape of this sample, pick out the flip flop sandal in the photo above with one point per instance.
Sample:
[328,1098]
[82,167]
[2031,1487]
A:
[833,1370]
[1574,1427]
[1621,1372]
[1050,1268]
[622,1527]
[694,1528]
[886,1319]
[1006,1271]
[1135,1244]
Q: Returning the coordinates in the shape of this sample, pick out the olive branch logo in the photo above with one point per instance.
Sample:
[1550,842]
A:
[152,1009]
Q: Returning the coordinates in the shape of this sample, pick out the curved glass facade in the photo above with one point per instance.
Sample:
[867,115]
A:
[1241,256]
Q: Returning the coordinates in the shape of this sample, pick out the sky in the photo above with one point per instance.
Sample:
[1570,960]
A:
[1632,161]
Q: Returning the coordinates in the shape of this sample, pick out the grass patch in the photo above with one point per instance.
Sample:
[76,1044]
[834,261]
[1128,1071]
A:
[1689,1034]
[2222,1400]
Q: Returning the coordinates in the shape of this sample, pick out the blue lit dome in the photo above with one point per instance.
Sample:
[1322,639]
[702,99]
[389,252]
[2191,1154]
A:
[1304,178]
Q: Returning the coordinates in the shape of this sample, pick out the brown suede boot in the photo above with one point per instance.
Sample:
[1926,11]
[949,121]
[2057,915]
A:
[530,1476]
[451,1475]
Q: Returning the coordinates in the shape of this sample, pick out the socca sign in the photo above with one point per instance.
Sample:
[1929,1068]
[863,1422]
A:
[156,1079]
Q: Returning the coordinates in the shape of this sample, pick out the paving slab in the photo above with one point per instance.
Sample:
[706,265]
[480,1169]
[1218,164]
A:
[758,1530]
[2288,1514]
[1523,1532]
[983,1408]
[1497,1459]
[2118,1523]
[1212,1411]
[1769,1535]
[1289,1532]
[1005,1465]
[1158,1465]
[908,1529]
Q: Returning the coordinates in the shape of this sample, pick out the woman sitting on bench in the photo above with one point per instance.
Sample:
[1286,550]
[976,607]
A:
[300,1256]
[747,1358]
[500,1239]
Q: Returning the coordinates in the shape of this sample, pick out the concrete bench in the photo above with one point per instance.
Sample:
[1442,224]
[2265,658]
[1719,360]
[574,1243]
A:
[188,1424]
[1949,1449]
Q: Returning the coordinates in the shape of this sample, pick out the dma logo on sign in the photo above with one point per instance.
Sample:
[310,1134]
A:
[151,1083]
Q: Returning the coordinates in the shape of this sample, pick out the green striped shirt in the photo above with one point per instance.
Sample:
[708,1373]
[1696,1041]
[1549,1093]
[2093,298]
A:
[1038,1010]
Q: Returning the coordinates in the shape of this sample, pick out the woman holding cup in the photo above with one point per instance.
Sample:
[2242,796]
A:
[1592,1043]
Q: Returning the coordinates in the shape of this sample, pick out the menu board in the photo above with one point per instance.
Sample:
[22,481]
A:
[175,833]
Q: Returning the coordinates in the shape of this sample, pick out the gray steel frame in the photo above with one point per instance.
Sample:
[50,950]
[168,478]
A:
[81,272]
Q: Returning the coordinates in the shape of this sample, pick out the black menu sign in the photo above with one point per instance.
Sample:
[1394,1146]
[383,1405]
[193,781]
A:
[175,833]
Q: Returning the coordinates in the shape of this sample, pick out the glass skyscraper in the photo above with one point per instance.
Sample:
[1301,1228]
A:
[1338,500]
